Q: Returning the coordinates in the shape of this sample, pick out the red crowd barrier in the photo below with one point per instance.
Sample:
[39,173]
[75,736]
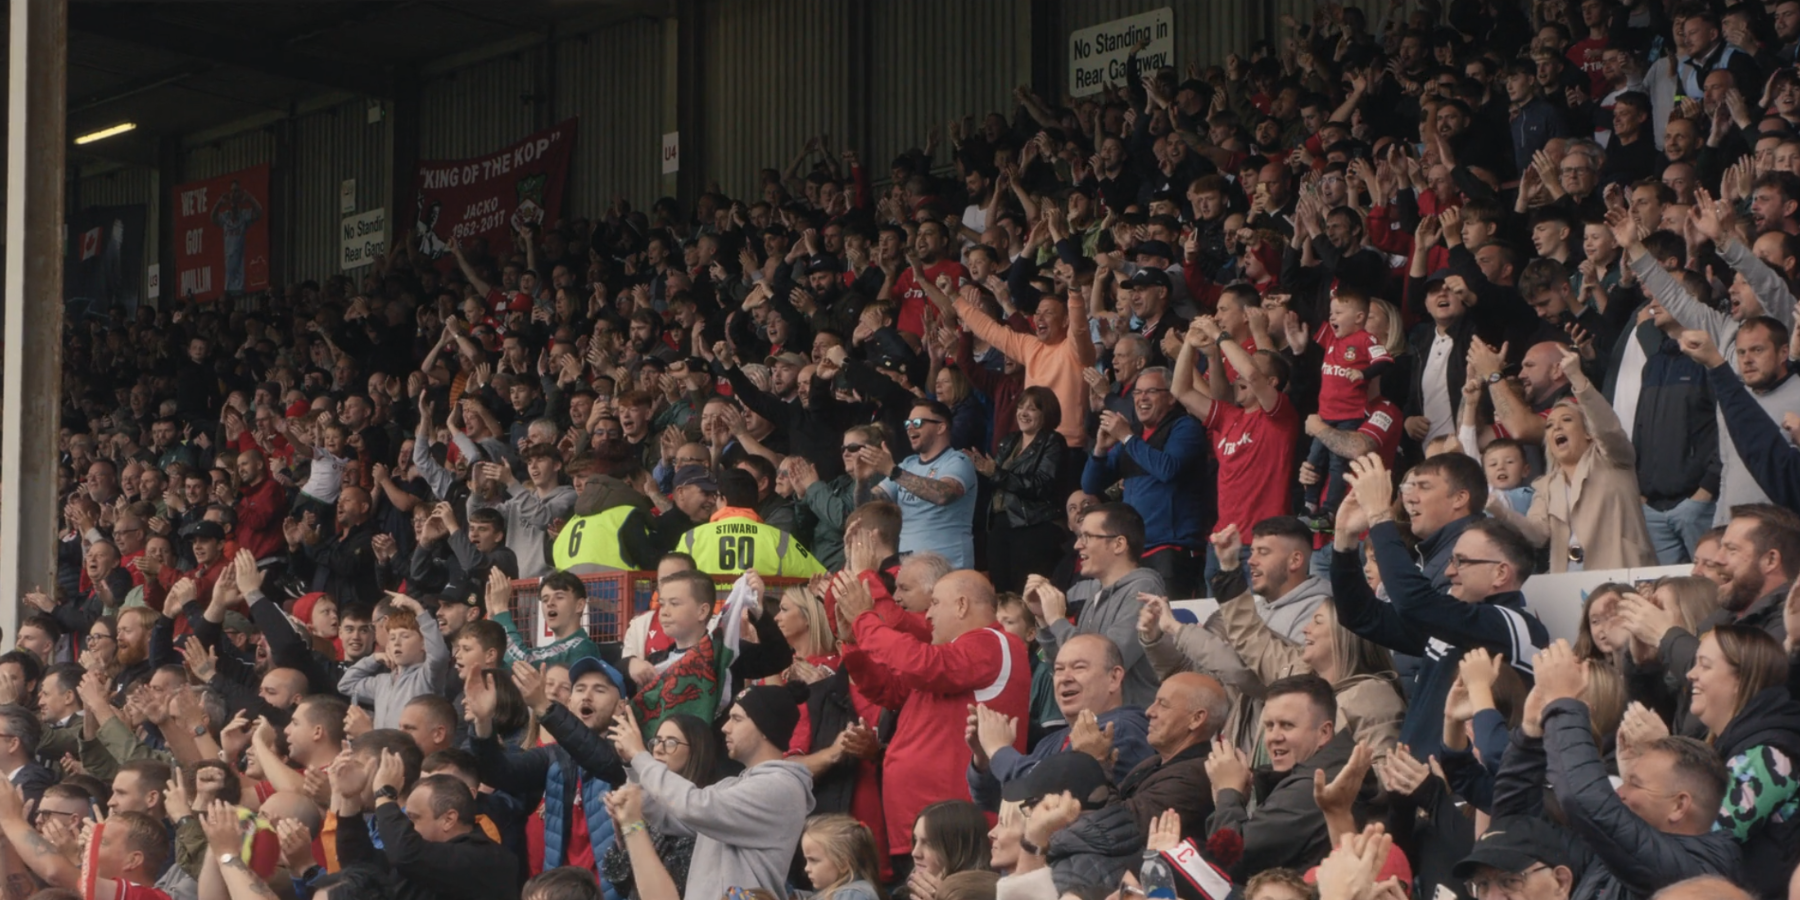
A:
[614,598]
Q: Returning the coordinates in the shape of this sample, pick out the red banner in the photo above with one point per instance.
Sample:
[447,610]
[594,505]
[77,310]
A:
[222,235]
[490,196]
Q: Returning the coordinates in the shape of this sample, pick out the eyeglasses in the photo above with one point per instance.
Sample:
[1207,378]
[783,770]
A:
[666,743]
[854,448]
[94,637]
[920,422]
[1509,885]
[1463,562]
[1084,537]
[1148,391]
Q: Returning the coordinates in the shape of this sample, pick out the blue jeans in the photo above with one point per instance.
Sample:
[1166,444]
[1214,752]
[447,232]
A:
[1675,531]
[1331,467]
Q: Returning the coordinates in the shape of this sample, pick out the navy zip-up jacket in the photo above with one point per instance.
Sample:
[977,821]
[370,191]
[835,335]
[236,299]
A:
[1425,622]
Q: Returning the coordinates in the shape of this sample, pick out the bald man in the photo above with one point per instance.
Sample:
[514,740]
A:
[342,565]
[970,660]
[1189,711]
[1519,407]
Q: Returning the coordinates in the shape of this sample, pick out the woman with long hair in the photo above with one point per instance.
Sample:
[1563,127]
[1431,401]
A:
[690,748]
[1661,636]
[949,836]
[1740,692]
[802,620]
[1025,531]
[968,416]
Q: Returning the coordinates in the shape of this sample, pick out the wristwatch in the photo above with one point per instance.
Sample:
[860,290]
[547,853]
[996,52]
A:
[1494,378]
[387,792]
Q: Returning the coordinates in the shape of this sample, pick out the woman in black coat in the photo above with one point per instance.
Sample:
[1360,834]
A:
[1025,531]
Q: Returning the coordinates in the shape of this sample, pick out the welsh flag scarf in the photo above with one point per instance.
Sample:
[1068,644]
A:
[695,681]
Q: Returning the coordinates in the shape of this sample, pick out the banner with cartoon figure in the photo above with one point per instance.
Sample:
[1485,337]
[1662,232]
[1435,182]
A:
[222,235]
[489,197]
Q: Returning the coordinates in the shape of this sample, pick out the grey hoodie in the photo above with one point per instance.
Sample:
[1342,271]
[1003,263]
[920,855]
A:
[1112,611]
[1288,613]
[528,517]
[745,828]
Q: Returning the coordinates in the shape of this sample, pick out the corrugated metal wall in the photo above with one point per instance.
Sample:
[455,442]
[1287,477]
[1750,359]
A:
[229,154]
[613,79]
[472,110]
[330,146]
[1205,30]
[935,60]
[777,72]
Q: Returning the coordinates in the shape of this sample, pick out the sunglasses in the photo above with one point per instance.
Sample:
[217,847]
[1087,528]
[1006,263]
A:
[854,448]
[920,422]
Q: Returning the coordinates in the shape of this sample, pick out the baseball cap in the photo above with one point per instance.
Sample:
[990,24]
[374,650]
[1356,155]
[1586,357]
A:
[787,356]
[696,476]
[588,664]
[1072,771]
[820,262]
[1438,277]
[1154,248]
[204,530]
[1150,277]
[1516,843]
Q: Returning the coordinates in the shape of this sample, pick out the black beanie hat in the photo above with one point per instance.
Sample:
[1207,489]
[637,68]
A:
[775,709]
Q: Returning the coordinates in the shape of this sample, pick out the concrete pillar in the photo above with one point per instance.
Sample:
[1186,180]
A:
[31,389]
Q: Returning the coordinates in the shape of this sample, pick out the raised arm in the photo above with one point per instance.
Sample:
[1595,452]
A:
[462,262]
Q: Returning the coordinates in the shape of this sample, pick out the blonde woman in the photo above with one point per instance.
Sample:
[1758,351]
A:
[802,620]
[1586,509]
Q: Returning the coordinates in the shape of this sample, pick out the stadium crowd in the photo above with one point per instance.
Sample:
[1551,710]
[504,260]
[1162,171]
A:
[1339,334]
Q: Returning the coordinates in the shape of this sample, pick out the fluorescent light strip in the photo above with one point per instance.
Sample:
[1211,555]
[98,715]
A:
[105,133]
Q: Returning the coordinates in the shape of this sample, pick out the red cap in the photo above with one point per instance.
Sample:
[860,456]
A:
[1395,867]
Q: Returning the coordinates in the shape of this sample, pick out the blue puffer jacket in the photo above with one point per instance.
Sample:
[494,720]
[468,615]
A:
[559,788]
[553,774]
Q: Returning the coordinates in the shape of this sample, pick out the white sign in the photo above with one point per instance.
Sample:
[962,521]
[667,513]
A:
[671,153]
[347,197]
[1097,55]
[364,238]
[154,282]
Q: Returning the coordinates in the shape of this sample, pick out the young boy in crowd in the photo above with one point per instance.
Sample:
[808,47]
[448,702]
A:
[1508,473]
[1354,358]
[415,661]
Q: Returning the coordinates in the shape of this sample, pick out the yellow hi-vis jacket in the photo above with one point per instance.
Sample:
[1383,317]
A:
[591,543]
[737,540]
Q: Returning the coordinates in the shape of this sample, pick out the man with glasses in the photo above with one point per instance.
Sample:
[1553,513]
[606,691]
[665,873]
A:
[1162,463]
[20,733]
[933,487]
[1528,857]
[1483,606]
[1106,600]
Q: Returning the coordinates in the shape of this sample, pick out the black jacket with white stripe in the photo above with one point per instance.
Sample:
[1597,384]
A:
[1422,621]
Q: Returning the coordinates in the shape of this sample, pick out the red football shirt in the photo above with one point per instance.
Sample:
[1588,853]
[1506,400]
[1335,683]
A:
[1340,396]
[914,307]
[1256,461]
